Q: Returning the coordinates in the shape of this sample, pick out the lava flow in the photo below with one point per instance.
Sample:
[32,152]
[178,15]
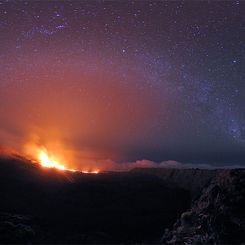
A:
[48,161]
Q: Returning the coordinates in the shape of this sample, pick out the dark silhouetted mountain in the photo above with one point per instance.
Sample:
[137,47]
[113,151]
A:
[67,207]
[41,205]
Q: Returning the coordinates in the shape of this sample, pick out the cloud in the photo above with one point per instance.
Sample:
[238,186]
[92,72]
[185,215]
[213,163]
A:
[109,165]
[124,166]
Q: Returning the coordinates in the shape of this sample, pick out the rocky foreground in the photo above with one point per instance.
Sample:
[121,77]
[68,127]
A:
[216,216]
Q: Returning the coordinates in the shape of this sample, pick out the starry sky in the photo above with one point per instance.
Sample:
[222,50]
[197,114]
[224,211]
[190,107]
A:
[125,80]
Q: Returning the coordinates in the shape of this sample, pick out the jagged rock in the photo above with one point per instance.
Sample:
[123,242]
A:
[217,216]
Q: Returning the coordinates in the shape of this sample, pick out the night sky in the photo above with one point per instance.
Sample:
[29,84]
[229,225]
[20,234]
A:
[125,80]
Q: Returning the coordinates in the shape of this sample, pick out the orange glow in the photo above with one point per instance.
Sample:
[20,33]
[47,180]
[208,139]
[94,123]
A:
[50,160]
[90,172]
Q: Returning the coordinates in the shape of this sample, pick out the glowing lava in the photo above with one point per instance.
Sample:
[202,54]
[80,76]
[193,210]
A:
[49,162]
[90,172]
[52,162]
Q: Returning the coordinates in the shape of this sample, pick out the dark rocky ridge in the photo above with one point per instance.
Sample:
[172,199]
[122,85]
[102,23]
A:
[67,207]
[49,206]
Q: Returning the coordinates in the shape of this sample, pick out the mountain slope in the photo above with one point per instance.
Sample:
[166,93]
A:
[192,180]
[40,205]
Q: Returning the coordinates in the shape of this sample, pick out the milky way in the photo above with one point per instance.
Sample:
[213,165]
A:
[126,80]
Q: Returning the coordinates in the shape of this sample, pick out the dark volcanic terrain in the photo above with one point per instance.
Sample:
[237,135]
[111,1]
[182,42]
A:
[40,205]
